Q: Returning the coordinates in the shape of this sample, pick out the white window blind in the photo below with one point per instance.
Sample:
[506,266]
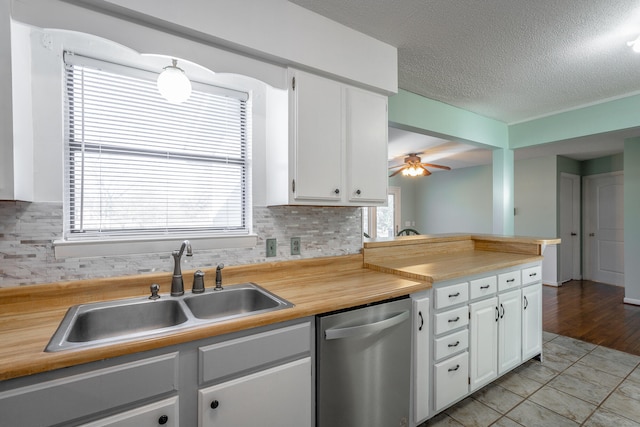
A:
[137,165]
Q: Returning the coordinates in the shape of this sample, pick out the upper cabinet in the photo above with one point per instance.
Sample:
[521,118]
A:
[337,147]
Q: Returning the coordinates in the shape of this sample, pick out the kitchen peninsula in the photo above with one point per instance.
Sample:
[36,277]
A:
[386,269]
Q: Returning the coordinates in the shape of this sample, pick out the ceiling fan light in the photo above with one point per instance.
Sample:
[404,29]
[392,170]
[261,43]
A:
[173,84]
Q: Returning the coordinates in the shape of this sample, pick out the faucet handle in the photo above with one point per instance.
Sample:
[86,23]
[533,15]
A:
[198,282]
[155,288]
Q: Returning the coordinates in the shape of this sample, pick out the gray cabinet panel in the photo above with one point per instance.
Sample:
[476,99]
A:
[69,398]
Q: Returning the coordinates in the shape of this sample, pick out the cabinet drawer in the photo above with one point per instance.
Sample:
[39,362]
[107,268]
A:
[451,344]
[451,295]
[250,352]
[60,401]
[163,413]
[483,287]
[452,319]
[451,380]
[510,280]
[531,275]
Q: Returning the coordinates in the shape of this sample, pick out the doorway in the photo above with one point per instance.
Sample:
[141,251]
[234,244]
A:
[569,227]
[383,221]
[604,228]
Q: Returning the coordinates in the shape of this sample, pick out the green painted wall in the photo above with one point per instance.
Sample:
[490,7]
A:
[419,114]
[605,117]
[632,220]
[605,164]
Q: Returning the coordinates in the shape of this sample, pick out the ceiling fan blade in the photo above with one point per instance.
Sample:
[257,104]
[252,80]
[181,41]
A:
[426,172]
[395,173]
[397,166]
[436,166]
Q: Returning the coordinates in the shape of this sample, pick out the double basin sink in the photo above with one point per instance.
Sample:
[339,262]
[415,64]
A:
[90,325]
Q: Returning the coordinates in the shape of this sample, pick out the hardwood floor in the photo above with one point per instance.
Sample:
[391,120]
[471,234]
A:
[592,312]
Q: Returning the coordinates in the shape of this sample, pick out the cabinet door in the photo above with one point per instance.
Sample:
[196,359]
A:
[483,347]
[163,413]
[509,330]
[421,338]
[531,321]
[366,127]
[317,132]
[451,380]
[279,396]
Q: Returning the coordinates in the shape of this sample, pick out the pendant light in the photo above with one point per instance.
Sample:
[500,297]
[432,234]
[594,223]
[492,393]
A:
[173,84]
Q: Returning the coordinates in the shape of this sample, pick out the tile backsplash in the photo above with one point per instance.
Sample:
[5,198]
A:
[27,232]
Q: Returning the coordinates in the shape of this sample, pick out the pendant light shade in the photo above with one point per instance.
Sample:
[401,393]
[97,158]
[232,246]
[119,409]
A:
[173,84]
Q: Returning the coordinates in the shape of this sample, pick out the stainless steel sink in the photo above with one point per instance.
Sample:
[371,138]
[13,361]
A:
[91,325]
[234,301]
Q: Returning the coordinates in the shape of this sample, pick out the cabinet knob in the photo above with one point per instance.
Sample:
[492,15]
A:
[337,191]
[215,404]
[358,192]
[163,420]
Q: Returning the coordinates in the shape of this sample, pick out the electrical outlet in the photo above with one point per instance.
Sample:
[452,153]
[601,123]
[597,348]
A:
[295,246]
[271,247]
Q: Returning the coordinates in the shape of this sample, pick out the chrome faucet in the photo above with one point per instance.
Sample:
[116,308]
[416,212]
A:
[177,284]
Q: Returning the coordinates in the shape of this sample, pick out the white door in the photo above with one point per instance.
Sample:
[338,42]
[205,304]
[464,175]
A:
[569,227]
[279,396]
[604,228]
[509,330]
[531,321]
[483,345]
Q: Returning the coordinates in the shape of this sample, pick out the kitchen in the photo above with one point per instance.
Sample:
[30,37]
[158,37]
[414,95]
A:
[31,227]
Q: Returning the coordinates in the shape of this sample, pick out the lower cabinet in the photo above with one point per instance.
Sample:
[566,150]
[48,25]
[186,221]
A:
[279,396]
[262,376]
[482,327]
[421,356]
[531,321]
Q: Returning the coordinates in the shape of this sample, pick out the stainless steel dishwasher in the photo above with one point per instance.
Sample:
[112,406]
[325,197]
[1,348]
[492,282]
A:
[363,366]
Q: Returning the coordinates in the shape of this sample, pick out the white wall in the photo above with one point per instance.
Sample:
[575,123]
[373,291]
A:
[455,201]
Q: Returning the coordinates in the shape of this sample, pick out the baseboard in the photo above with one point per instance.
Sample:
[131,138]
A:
[555,284]
[631,301]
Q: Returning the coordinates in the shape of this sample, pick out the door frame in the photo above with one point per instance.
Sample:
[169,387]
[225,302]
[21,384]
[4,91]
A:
[577,208]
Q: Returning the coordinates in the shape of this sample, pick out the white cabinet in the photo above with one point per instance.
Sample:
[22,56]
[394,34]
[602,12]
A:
[337,148]
[483,346]
[451,380]
[531,320]
[280,396]
[421,359]
[509,331]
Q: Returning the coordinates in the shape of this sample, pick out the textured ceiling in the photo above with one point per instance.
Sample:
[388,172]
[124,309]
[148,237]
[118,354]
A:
[511,60]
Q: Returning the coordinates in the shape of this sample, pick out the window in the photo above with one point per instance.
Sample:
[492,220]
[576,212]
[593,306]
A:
[383,221]
[139,166]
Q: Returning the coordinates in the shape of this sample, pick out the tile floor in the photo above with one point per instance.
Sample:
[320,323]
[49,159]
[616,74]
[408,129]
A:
[576,384]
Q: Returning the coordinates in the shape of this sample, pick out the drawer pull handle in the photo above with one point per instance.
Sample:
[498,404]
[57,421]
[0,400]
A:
[455,345]
[457,294]
[215,404]
[454,369]
[454,320]
[526,302]
[163,420]
[484,287]
[502,307]
[533,274]
[511,280]
[421,321]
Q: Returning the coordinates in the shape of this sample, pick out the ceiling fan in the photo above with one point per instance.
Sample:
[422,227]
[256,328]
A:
[413,166]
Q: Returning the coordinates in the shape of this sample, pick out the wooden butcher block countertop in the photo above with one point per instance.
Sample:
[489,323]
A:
[29,315]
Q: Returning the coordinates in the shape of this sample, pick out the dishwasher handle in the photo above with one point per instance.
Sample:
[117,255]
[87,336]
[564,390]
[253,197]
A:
[368,328]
